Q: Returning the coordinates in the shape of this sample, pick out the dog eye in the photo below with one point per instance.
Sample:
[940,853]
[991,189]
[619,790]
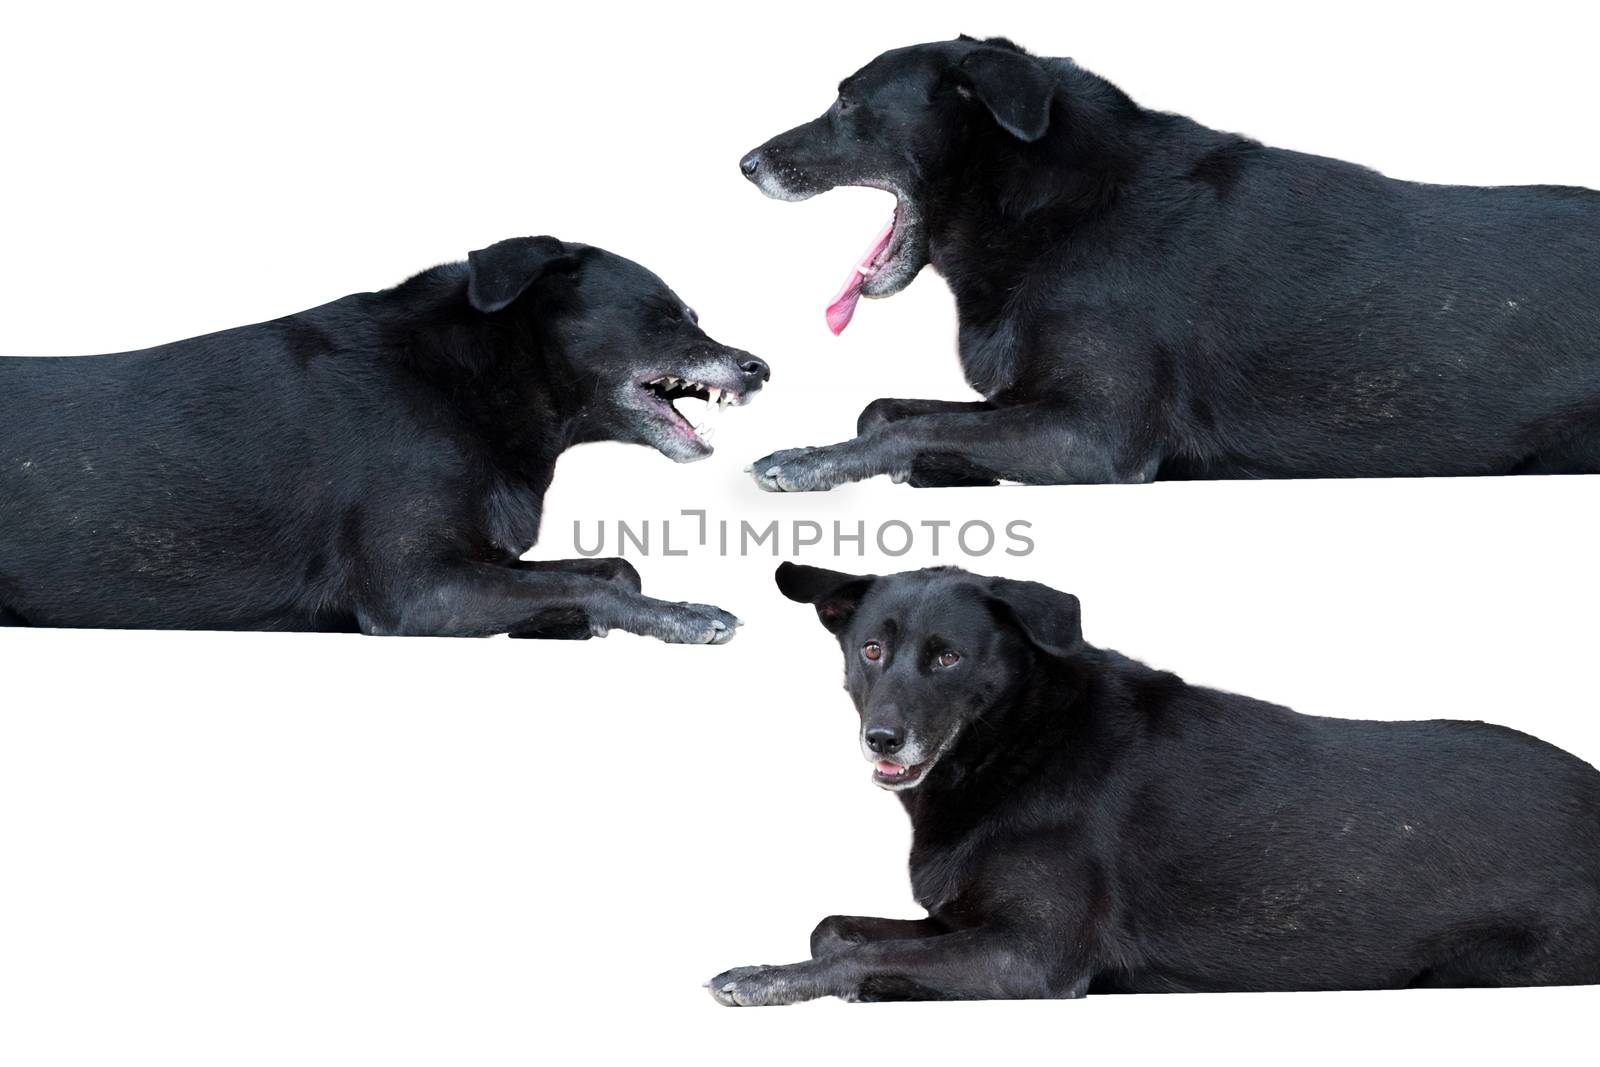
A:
[948,658]
[692,315]
[872,652]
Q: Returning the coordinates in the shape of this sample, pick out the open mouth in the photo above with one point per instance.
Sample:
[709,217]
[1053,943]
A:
[679,400]
[879,257]
[892,775]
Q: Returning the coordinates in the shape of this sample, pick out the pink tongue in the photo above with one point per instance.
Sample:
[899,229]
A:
[843,307]
[893,770]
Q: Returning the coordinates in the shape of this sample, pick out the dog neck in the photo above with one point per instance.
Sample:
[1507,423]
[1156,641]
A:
[490,392]
[1062,732]
[1029,200]
[489,370]
[1035,193]
[1028,729]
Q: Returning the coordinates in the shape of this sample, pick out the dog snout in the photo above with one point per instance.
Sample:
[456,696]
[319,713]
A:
[750,165]
[885,740]
[755,370]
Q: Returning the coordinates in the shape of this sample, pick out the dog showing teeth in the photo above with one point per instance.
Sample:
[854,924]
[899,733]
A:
[413,360]
[671,390]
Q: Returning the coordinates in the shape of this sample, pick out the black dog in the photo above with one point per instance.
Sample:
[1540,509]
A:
[376,464]
[1141,297]
[1083,823]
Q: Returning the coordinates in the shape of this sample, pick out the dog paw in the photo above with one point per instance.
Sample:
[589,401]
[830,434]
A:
[756,987]
[795,470]
[697,624]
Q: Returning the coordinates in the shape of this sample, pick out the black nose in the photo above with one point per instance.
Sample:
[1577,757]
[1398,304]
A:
[756,368]
[885,740]
[751,163]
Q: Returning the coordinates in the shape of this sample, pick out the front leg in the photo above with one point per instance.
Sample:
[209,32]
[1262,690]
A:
[606,568]
[1038,444]
[479,599]
[566,625]
[927,472]
[839,932]
[883,412]
[978,964]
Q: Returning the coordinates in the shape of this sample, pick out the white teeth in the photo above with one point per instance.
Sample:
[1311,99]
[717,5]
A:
[716,400]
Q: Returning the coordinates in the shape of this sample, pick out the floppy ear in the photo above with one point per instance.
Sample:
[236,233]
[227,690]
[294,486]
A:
[1049,618]
[834,594]
[499,274]
[1015,88]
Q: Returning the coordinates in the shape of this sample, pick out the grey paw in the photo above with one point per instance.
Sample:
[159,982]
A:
[795,470]
[697,624]
[755,987]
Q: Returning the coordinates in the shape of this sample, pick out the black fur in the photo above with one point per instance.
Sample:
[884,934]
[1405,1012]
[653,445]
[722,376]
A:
[1142,297]
[1083,823]
[376,464]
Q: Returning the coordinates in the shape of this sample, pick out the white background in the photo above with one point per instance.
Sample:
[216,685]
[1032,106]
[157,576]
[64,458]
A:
[230,849]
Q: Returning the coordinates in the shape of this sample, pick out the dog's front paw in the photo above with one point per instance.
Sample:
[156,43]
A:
[796,470]
[757,987]
[696,624]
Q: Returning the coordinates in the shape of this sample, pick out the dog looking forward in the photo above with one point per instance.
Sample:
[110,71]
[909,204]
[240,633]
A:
[1083,823]
[376,464]
[1142,297]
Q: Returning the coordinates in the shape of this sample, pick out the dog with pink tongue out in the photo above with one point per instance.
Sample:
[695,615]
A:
[1142,297]
[842,308]
[944,128]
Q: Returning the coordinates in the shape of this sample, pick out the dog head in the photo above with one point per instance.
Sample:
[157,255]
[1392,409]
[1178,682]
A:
[932,656]
[622,339]
[899,124]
